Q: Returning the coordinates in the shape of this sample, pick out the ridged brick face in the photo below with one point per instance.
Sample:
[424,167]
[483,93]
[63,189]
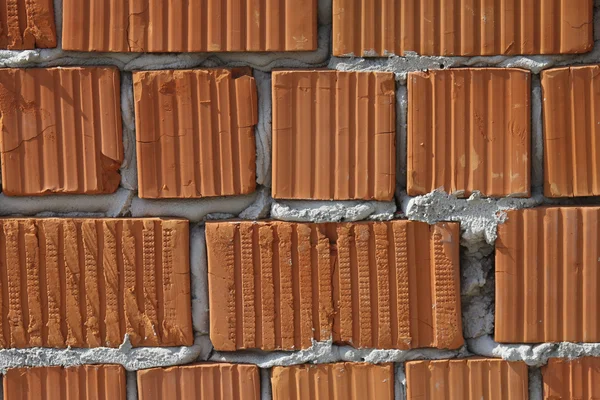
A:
[341,381]
[200,381]
[571,131]
[547,276]
[27,24]
[195,133]
[467,379]
[60,130]
[189,25]
[89,282]
[461,28]
[334,135]
[572,379]
[469,130]
[279,285]
[87,382]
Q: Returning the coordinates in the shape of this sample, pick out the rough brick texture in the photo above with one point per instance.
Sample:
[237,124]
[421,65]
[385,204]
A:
[547,275]
[60,130]
[89,282]
[572,379]
[189,25]
[334,135]
[461,28]
[467,379]
[87,382]
[195,133]
[200,381]
[27,24]
[469,129]
[571,130]
[341,381]
[278,285]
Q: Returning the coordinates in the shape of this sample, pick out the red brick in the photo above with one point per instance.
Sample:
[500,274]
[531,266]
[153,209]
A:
[27,24]
[189,25]
[571,116]
[89,282]
[469,129]
[200,381]
[60,130]
[87,382]
[467,379]
[458,28]
[334,135]
[547,276]
[341,381]
[572,379]
[195,133]
[278,285]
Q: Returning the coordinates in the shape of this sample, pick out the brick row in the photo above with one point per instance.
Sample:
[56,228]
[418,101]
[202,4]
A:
[27,24]
[461,28]
[90,282]
[189,25]
[278,285]
[572,379]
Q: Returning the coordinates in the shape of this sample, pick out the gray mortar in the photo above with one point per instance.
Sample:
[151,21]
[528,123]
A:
[199,280]
[331,211]
[399,382]
[536,391]
[266,392]
[132,392]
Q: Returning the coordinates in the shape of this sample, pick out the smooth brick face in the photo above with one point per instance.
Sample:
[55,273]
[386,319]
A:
[468,130]
[189,25]
[547,276]
[341,381]
[60,130]
[334,135]
[576,379]
[459,28]
[27,24]
[201,382]
[88,282]
[88,382]
[195,133]
[467,379]
[571,130]
[278,285]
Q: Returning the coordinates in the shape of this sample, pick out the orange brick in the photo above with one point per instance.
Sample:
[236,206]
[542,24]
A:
[467,379]
[458,28]
[189,25]
[576,379]
[278,285]
[469,129]
[27,24]
[341,381]
[334,135]
[547,276]
[200,381]
[60,130]
[195,133]
[89,282]
[571,147]
[88,382]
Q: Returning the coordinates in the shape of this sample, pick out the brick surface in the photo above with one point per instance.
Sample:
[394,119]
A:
[465,28]
[547,276]
[469,129]
[200,381]
[571,129]
[334,135]
[341,381]
[189,25]
[195,133]
[575,379]
[467,379]
[27,24]
[60,130]
[88,282]
[278,285]
[87,382]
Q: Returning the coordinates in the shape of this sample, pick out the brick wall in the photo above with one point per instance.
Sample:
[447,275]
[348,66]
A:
[284,199]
